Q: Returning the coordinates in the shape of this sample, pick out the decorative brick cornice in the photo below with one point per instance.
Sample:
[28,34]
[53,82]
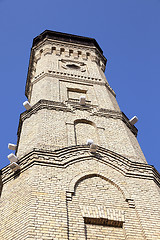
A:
[47,45]
[45,104]
[70,155]
[71,77]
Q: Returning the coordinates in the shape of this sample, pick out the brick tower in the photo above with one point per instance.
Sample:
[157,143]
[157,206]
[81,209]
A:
[78,172]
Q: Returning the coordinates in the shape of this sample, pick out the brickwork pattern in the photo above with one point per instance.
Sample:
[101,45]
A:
[58,130]
[101,232]
[63,191]
[48,214]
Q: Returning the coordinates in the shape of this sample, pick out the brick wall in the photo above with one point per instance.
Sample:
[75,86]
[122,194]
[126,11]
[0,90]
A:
[63,191]
[87,199]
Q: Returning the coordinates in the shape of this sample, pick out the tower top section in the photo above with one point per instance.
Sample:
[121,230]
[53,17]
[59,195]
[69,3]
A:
[54,52]
[65,37]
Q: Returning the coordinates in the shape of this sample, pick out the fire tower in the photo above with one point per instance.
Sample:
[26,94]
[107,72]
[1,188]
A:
[78,172]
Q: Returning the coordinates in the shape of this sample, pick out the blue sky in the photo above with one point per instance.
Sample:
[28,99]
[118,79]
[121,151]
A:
[128,32]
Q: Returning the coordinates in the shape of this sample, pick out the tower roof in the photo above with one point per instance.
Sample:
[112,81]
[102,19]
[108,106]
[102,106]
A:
[67,38]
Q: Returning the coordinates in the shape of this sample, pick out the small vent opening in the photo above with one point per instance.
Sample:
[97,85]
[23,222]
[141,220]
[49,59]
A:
[73,66]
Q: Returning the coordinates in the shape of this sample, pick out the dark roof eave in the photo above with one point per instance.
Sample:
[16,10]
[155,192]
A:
[67,38]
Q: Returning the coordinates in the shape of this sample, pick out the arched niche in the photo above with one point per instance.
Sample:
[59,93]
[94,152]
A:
[79,178]
[97,207]
[84,130]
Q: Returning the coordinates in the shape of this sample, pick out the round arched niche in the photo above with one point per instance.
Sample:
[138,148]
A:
[97,207]
[84,130]
[95,190]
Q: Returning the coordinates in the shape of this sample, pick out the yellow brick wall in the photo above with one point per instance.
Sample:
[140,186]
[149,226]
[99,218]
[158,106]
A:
[63,191]
[36,205]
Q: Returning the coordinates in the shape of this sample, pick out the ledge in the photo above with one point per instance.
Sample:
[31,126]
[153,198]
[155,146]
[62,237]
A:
[69,155]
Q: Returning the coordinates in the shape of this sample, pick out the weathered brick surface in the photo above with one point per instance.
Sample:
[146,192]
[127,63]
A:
[62,190]
[35,203]
[52,129]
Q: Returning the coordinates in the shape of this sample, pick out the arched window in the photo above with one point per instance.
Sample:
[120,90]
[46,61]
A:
[85,130]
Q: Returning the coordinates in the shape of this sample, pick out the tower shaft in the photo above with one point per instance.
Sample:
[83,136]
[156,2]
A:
[66,188]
